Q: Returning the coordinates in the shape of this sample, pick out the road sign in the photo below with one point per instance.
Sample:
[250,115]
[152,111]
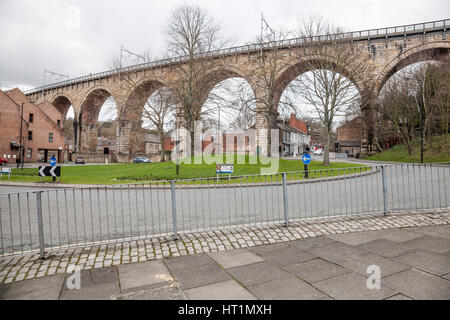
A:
[6,170]
[224,168]
[52,161]
[50,171]
[306,158]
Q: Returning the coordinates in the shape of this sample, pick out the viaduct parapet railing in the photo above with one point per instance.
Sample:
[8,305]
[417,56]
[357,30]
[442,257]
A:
[363,35]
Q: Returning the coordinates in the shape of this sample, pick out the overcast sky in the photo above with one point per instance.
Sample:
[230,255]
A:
[79,37]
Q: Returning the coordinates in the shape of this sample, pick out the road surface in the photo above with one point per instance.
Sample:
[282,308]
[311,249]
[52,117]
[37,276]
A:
[85,215]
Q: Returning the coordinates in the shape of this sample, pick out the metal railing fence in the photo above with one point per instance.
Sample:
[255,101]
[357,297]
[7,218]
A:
[362,34]
[45,221]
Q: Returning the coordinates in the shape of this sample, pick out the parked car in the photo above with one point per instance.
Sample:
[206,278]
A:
[3,161]
[318,152]
[141,160]
[80,160]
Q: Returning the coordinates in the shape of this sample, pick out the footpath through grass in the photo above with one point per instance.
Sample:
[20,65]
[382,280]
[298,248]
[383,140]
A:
[436,151]
[133,173]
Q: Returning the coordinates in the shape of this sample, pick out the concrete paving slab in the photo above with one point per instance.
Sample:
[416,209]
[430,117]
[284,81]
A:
[441,231]
[257,273]
[311,243]
[227,290]
[386,248]
[269,247]
[352,286]
[287,256]
[359,264]
[337,251]
[429,243]
[235,258]
[357,238]
[51,284]
[400,235]
[41,294]
[196,270]
[419,285]
[95,284]
[316,270]
[160,293]
[143,274]
[286,289]
[432,262]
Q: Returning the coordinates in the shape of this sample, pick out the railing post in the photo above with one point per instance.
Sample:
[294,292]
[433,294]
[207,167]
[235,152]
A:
[174,211]
[40,224]
[385,195]
[285,199]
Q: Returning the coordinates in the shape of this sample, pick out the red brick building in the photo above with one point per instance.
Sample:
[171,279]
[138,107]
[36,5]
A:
[42,134]
[298,124]
[349,137]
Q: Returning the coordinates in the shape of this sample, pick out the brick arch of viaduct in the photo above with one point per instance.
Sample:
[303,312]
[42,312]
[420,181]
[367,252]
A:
[436,50]
[130,99]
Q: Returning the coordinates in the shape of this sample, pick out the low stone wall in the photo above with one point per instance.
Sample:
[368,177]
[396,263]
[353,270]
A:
[95,157]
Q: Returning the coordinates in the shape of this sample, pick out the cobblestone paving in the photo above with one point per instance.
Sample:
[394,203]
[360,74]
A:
[14,269]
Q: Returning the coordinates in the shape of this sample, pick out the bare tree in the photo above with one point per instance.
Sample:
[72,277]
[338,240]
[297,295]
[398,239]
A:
[398,106]
[328,56]
[191,33]
[438,82]
[265,103]
[416,99]
[158,114]
[431,82]
[245,119]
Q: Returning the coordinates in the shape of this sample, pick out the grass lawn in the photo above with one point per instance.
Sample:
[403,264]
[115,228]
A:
[132,173]
[437,151]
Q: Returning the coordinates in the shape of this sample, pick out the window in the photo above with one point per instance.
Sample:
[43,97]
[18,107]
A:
[30,135]
[50,137]
[29,153]
[58,123]
[30,118]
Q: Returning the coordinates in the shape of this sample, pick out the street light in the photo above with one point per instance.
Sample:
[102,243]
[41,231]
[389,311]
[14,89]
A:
[421,130]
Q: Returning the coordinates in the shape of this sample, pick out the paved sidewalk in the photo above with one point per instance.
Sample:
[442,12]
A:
[24,267]
[414,264]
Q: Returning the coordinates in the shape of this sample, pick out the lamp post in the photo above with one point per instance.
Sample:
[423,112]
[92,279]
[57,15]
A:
[421,131]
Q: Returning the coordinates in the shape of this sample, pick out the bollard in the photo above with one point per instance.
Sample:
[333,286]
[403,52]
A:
[174,211]
[385,195]
[285,198]
[40,224]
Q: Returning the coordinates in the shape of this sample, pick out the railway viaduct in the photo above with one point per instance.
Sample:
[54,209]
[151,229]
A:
[390,50]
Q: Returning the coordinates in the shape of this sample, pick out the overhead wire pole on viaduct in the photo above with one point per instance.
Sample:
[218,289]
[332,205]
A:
[52,74]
